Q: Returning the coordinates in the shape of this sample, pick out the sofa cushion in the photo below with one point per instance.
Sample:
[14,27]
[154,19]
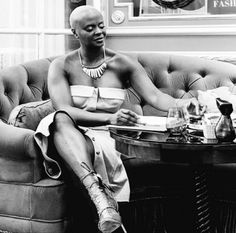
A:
[29,115]
[40,207]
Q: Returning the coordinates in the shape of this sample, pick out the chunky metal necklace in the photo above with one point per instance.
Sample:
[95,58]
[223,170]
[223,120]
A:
[94,72]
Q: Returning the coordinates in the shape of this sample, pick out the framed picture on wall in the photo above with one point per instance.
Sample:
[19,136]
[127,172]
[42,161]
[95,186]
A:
[184,17]
[172,7]
[187,7]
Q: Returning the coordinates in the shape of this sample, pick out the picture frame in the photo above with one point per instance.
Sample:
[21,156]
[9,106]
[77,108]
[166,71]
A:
[131,17]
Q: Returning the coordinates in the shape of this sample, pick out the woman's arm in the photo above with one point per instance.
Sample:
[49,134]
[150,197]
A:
[59,91]
[151,94]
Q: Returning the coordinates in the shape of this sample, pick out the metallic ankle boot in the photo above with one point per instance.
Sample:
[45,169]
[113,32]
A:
[101,195]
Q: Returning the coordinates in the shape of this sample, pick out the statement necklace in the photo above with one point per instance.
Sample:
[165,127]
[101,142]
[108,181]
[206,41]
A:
[94,72]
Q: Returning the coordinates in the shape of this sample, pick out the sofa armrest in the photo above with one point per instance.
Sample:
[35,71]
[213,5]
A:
[20,159]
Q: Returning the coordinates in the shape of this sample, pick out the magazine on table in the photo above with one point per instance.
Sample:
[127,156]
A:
[145,123]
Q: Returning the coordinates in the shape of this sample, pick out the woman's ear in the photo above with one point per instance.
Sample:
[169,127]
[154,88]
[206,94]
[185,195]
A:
[74,32]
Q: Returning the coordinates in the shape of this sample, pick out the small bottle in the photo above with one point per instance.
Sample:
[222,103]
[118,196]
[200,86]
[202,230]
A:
[224,129]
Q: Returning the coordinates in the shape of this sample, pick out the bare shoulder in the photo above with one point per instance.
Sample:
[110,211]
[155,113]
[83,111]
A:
[121,60]
[61,61]
[61,66]
[57,62]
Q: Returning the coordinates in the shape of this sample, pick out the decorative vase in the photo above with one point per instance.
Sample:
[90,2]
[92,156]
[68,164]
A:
[224,129]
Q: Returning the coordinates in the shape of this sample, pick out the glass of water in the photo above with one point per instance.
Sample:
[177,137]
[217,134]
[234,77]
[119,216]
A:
[176,122]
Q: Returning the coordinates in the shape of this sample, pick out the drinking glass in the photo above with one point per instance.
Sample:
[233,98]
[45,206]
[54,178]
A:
[176,122]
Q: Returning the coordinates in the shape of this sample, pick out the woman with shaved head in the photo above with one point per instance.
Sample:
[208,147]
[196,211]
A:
[87,87]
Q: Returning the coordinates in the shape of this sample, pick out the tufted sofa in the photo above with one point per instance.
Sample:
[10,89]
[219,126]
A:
[30,202]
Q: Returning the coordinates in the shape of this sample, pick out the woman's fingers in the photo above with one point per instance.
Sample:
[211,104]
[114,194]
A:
[203,109]
[129,112]
[126,116]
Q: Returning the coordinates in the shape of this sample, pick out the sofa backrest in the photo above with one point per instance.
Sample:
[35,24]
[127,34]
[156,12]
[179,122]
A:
[179,76]
[23,83]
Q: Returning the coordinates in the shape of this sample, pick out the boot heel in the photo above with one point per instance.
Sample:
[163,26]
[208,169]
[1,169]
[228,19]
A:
[110,220]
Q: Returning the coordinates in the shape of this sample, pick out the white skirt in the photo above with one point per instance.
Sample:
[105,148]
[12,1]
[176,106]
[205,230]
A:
[107,161]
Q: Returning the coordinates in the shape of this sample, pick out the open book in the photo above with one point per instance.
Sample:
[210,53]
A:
[145,123]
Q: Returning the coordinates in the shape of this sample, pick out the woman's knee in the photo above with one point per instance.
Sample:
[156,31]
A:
[62,119]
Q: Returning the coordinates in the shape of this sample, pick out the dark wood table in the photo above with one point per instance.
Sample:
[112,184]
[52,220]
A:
[190,149]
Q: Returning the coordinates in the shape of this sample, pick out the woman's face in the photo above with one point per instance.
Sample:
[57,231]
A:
[91,30]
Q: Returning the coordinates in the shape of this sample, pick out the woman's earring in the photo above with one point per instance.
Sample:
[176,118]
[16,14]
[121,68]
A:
[73,31]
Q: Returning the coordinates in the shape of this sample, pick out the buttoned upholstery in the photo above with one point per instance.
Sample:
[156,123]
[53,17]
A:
[30,202]
[21,84]
[181,76]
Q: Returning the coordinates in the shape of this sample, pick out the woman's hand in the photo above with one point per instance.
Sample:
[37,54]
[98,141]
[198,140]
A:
[191,106]
[124,117]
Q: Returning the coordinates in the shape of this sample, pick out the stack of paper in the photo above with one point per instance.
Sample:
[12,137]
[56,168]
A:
[145,123]
[154,122]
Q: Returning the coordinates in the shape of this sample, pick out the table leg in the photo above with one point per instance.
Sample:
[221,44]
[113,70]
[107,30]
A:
[201,201]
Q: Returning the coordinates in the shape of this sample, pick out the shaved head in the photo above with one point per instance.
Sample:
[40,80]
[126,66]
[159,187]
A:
[80,12]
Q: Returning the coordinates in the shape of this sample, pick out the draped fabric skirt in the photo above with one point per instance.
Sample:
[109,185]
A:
[107,161]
